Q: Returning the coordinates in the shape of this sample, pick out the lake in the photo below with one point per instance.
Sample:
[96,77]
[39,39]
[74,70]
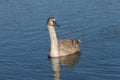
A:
[25,43]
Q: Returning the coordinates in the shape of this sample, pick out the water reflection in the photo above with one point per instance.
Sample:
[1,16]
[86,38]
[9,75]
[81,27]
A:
[69,60]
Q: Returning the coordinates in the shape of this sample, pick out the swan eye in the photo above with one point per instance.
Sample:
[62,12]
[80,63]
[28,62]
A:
[54,23]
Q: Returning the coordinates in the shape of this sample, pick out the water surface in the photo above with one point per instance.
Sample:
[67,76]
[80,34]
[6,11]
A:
[24,39]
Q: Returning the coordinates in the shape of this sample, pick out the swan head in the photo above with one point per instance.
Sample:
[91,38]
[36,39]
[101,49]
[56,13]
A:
[52,22]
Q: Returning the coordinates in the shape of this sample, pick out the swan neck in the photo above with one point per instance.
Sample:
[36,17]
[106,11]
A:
[54,42]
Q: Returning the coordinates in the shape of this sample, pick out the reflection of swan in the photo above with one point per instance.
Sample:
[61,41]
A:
[69,60]
[62,47]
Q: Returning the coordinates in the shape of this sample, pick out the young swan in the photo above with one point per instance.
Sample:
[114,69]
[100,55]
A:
[61,47]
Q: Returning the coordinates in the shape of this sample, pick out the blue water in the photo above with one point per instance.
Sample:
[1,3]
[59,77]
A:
[24,39]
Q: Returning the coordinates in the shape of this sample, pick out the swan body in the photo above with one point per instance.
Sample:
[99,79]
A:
[61,47]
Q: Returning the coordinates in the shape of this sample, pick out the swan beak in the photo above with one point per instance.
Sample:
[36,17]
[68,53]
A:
[56,24]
